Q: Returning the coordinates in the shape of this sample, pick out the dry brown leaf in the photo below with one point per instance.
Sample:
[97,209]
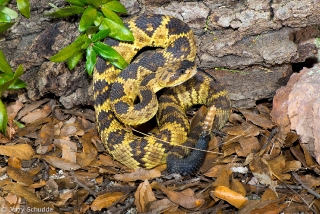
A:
[257,119]
[240,131]
[69,153]
[46,134]
[68,130]
[30,107]
[249,158]
[238,187]
[201,113]
[41,183]
[138,174]
[21,151]
[23,192]
[15,204]
[235,119]
[37,114]
[90,152]
[245,130]
[263,109]
[87,178]
[261,170]
[277,164]
[290,139]
[291,166]
[232,197]
[162,206]
[229,149]
[215,171]
[273,207]
[60,162]
[144,196]
[248,145]
[106,160]
[19,175]
[13,109]
[309,160]
[4,205]
[297,153]
[223,178]
[269,195]
[186,201]
[106,200]
[14,162]
[64,197]
[310,181]
[69,149]
[296,208]
[32,127]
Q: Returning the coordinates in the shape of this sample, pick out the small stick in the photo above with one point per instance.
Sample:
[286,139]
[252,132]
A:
[317,195]
[76,180]
[219,153]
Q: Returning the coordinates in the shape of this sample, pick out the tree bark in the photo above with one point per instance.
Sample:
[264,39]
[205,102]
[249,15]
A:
[250,46]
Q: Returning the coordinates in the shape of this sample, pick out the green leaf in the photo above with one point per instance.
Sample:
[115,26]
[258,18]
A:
[87,19]
[24,7]
[92,30]
[95,3]
[4,77]
[13,14]
[91,60]
[116,7]
[118,31]
[100,35]
[17,84]
[80,3]
[70,50]
[20,125]
[66,11]
[5,26]
[86,45]
[3,117]
[105,1]
[111,15]
[110,54]
[16,75]
[74,60]
[4,2]
[99,19]
[105,51]
[4,64]
[4,17]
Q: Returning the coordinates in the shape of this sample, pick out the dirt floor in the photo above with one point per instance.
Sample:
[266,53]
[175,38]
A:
[57,162]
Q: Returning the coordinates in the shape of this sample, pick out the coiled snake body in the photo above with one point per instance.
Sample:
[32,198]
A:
[116,92]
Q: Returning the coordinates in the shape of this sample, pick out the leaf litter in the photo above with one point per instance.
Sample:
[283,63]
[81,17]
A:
[57,162]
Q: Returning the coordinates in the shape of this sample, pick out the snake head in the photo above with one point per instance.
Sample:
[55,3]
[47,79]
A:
[176,73]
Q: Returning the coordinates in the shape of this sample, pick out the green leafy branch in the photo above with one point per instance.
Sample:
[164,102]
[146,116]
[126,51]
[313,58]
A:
[99,19]
[7,14]
[8,80]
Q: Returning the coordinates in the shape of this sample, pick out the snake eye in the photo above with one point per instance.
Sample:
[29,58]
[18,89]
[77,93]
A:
[181,71]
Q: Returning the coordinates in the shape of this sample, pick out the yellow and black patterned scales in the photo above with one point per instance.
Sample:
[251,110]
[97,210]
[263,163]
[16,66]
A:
[172,68]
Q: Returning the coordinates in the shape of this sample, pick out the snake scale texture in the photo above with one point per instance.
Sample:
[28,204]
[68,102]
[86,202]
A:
[173,68]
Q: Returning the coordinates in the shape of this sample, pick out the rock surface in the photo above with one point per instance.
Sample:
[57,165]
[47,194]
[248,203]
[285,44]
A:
[260,40]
